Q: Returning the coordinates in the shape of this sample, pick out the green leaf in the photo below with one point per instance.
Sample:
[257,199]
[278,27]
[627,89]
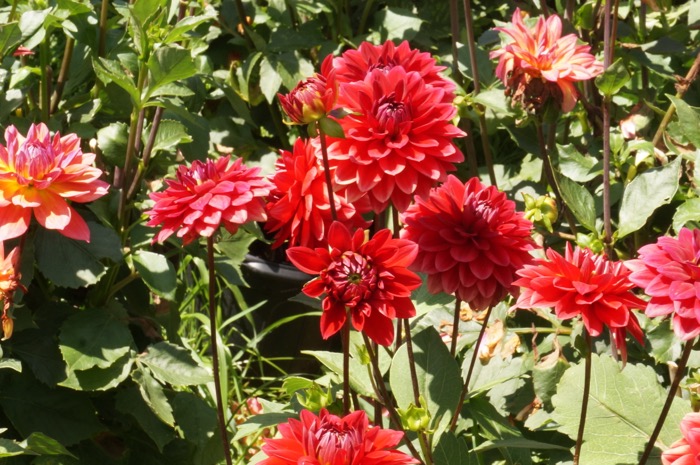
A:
[688,119]
[617,429]
[10,448]
[11,364]
[331,128]
[577,167]
[258,422]
[494,100]
[170,135]
[359,377]
[173,364]
[613,79]
[687,212]
[397,24]
[112,140]
[185,25]
[95,338]
[197,421]
[71,263]
[41,444]
[293,384]
[497,428]
[99,379]
[10,37]
[157,272]
[580,201]
[647,192]
[270,80]
[169,64]
[453,450]
[130,402]
[31,24]
[111,71]
[153,395]
[516,443]
[438,375]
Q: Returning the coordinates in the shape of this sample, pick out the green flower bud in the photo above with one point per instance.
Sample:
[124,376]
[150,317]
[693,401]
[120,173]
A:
[414,418]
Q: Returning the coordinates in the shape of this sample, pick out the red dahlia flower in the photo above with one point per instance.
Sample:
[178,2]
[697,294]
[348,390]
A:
[368,279]
[38,173]
[298,207]
[539,64]
[398,138]
[669,272]
[330,440]
[309,101]
[685,451]
[586,284]
[207,195]
[471,241]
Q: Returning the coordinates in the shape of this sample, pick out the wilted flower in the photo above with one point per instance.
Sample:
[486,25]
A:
[298,208]
[686,450]
[367,279]
[22,51]
[9,282]
[471,241]
[309,101]
[669,273]
[207,195]
[586,284]
[330,440]
[398,138]
[38,173]
[540,65]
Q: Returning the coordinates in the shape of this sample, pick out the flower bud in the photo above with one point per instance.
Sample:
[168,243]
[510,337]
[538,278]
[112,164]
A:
[542,211]
[414,418]
[314,398]
[309,101]
[8,325]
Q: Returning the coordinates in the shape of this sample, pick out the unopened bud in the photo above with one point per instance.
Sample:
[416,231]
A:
[314,398]
[542,211]
[414,418]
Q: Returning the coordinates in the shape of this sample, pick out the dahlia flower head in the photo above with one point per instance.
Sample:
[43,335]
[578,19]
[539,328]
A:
[326,439]
[669,273]
[311,100]
[539,65]
[471,241]
[685,451]
[208,195]
[583,283]
[38,174]
[9,272]
[369,280]
[298,208]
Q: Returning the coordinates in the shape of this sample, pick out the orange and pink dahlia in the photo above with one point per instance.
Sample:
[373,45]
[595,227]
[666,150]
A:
[540,66]
[669,273]
[39,173]
[398,138]
[327,439]
[583,283]
[298,208]
[471,241]
[369,280]
[685,451]
[207,195]
[9,283]
[309,101]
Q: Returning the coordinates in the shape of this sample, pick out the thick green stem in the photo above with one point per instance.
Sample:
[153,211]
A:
[584,401]
[102,41]
[669,400]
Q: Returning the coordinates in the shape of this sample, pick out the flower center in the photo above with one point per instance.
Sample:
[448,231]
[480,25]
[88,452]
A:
[391,113]
[33,161]
[352,279]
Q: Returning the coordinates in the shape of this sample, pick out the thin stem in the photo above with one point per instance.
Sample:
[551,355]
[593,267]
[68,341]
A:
[62,74]
[425,447]
[102,44]
[669,400]
[608,41]
[45,80]
[468,378]
[327,170]
[243,22]
[346,365]
[411,363]
[365,15]
[454,28]
[215,350]
[455,326]
[584,401]
[147,150]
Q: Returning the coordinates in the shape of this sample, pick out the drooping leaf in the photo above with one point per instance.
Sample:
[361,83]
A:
[580,201]
[613,79]
[11,364]
[157,272]
[99,379]
[173,364]
[623,408]
[688,119]
[110,71]
[153,395]
[647,192]
[270,80]
[197,421]
[130,402]
[10,37]
[577,167]
[170,135]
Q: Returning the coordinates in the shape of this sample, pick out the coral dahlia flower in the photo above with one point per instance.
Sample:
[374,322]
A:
[309,101]
[540,65]
[669,273]
[298,208]
[207,195]
[471,241]
[327,439]
[367,279]
[398,138]
[586,284]
[38,173]
[685,451]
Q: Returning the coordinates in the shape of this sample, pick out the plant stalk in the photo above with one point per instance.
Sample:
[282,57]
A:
[455,327]
[327,171]
[669,400]
[411,363]
[62,74]
[215,350]
[345,333]
[584,401]
[608,40]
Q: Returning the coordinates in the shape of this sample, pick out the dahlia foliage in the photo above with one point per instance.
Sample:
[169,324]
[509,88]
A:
[669,272]
[584,284]
[39,173]
[540,66]
[685,451]
[207,195]
[326,439]
[367,279]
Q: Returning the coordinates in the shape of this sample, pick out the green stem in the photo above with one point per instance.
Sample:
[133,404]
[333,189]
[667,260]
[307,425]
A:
[608,41]
[345,333]
[669,400]
[365,15]
[327,170]
[411,363]
[468,378]
[62,74]
[586,395]
[147,150]
[215,350]
[455,326]
[45,80]
[425,448]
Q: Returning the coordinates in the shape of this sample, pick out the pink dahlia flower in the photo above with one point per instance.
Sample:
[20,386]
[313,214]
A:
[398,138]
[39,173]
[471,241]
[309,101]
[298,207]
[685,451]
[669,273]
[354,65]
[207,195]
[539,64]
[586,284]
[327,439]
[367,279]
